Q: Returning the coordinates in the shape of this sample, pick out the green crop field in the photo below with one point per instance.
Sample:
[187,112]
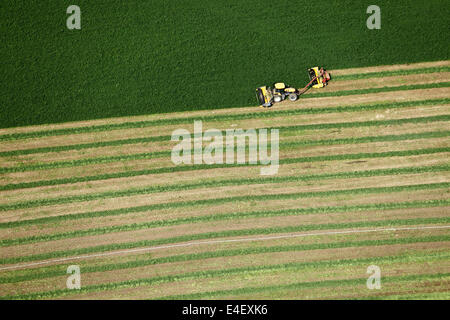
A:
[144,57]
[88,177]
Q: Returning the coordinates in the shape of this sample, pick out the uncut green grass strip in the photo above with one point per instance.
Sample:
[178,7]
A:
[223,234]
[221,217]
[293,266]
[224,117]
[377,90]
[139,156]
[301,285]
[215,201]
[160,154]
[368,75]
[55,271]
[220,183]
[127,174]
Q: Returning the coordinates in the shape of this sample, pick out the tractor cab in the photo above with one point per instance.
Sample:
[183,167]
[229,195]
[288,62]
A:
[279,87]
[279,91]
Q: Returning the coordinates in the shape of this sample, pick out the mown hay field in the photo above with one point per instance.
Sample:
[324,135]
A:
[145,57]
[363,180]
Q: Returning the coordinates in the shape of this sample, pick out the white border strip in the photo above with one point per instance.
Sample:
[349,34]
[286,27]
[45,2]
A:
[196,243]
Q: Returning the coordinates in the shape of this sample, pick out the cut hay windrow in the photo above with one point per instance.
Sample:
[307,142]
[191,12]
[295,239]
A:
[293,266]
[138,156]
[303,285]
[215,201]
[56,271]
[377,90]
[223,117]
[220,183]
[226,216]
[381,138]
[356,156]
[218,217]
[224,234]
[125,174]
[160,154]
[368,75]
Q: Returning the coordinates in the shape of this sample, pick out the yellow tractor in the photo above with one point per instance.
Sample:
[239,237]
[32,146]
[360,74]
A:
[267,96]
[281,90]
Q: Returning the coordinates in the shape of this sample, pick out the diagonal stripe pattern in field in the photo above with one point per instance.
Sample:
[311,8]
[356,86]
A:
[364,179]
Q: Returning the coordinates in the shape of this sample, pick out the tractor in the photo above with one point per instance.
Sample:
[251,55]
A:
[267,96]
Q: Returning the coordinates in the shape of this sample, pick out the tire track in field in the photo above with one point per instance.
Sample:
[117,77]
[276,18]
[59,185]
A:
[67,249]
[56,270]
[197,243]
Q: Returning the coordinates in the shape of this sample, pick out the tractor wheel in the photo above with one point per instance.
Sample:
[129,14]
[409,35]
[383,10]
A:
[277,98]
[293,97]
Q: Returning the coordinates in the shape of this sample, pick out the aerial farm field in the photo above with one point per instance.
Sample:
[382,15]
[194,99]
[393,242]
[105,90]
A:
[87,179]
[104,195]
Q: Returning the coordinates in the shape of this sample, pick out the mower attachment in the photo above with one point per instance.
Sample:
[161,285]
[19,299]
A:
[319,77]
[265,96]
